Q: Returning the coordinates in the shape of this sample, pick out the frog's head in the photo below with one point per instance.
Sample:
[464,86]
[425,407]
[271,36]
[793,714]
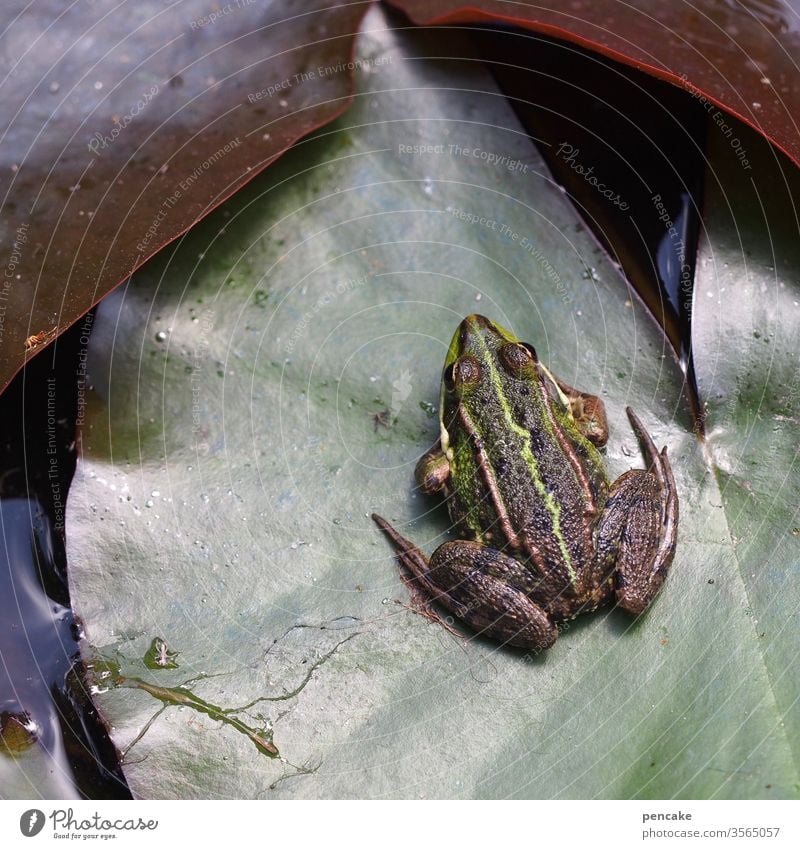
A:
[481,354]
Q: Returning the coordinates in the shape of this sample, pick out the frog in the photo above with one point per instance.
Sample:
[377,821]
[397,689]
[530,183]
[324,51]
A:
[543,535]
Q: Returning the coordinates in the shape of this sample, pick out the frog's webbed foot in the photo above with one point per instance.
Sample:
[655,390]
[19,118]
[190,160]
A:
[483,587]
[639,526]
[589,413]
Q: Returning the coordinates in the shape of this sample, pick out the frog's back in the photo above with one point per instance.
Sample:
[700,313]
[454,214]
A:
[527,482]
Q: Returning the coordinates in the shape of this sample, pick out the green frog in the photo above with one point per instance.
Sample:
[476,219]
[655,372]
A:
[543,535]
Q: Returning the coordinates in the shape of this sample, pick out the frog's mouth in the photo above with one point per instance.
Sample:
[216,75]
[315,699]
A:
[473,328]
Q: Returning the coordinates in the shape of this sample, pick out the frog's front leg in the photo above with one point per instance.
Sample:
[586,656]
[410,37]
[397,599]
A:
[482,586]
[433,469]
[589,413]
[638,528]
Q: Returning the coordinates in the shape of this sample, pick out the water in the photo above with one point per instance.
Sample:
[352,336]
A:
[42,699]
[643,140]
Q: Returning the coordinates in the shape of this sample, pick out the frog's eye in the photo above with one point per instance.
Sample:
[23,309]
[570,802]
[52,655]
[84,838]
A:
[462,374]
[517,357]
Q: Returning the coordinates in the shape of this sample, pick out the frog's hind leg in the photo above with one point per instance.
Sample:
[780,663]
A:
[480,585]
[415,562]
[638,528]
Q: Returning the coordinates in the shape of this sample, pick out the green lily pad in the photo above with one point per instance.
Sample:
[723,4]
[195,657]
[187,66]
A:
[746,334]
[262,387]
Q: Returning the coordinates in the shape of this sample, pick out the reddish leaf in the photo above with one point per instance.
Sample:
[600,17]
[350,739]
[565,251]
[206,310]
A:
[125,123]
[740,56]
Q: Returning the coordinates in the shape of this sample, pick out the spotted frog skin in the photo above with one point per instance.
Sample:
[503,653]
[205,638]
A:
[543,535]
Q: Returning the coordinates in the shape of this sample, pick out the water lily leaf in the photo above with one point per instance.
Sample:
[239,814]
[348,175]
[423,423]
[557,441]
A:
[262,387]
[125,126]
[746,339]
[741,57]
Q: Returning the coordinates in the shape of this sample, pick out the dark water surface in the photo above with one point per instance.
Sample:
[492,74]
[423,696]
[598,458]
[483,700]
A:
[630,151]
[42,698]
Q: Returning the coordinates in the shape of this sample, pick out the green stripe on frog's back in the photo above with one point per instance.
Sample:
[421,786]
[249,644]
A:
[550,503]
[466,506]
